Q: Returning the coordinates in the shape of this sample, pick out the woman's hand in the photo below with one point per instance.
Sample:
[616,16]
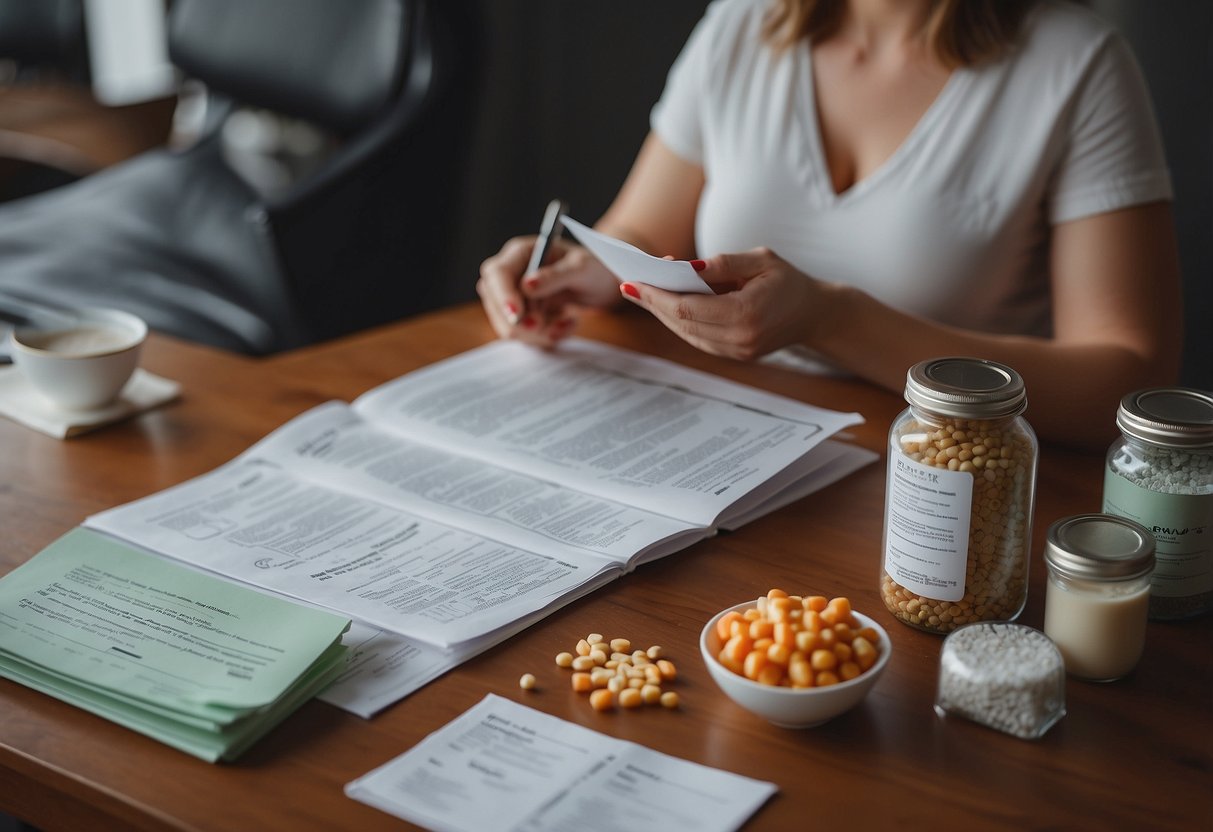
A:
[538,307]
[762,303]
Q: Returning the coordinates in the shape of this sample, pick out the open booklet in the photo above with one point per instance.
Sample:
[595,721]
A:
[463,501]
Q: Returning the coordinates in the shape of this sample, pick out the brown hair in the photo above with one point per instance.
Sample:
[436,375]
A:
[960,32]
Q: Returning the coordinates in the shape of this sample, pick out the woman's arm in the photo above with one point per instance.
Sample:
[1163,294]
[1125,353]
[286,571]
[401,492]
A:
[1117,322]
[655,209]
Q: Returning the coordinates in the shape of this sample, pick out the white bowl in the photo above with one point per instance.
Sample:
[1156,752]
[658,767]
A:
[85,366]
[789,707]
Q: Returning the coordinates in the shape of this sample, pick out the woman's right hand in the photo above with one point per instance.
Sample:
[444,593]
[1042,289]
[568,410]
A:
[539,307]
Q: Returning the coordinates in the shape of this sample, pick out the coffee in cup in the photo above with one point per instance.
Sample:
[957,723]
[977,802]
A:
[82,366]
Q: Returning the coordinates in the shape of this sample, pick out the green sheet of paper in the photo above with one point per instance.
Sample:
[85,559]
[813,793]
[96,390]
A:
[197,662]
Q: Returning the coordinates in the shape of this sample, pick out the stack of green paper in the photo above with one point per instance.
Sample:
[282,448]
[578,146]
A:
[196,662]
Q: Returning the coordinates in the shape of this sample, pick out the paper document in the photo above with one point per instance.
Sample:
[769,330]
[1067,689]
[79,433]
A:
[631,265]
[503,766]
[463,501]
[199,663]
[381,669]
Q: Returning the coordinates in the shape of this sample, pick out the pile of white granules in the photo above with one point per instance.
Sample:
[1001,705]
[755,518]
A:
[1168,471]
[1007,676]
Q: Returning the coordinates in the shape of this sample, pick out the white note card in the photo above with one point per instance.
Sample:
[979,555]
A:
[504,766]
[630,264]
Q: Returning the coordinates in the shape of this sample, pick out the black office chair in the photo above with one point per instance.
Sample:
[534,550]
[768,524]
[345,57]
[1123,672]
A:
[179,238]
[45,38]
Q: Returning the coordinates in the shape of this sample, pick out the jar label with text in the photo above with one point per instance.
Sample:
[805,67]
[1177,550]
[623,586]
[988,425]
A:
[927,536]
[1182,525]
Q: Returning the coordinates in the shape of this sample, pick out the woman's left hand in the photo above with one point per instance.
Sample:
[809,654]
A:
[762,303]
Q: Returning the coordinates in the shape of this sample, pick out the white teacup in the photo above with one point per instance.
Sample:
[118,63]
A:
[83,366]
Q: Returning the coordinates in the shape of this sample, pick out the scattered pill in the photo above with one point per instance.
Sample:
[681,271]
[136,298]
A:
[527,682]
[631,698]
[602,700]
[613,674]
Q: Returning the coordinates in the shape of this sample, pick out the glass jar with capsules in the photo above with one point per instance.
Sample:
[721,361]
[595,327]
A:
[960,489]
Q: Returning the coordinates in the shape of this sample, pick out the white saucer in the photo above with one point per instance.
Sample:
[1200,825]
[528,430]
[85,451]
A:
[20,402]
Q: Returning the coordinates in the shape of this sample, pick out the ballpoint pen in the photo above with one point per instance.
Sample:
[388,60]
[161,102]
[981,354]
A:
[549,232]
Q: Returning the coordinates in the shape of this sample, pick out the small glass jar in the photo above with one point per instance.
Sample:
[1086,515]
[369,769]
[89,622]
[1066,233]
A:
[959,497]
[1160,474]
[1098,594]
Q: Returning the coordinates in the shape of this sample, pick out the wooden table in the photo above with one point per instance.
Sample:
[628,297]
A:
[1137,753]
[63,127]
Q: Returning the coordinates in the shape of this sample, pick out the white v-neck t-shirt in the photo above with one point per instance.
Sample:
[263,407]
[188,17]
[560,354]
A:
[955,225]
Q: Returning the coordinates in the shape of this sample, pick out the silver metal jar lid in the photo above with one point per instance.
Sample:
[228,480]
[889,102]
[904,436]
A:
[966,388]
[1174,416]
[1099,546]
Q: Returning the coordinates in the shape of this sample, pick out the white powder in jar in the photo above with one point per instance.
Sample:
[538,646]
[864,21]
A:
[1002,675]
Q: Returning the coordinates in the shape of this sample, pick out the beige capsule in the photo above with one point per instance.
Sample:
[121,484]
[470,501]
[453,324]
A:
[602,700]
[631,698]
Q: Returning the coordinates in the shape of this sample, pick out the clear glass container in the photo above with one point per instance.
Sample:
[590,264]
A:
[959,497]
[1159,473]
[1005,676]
[1098,593]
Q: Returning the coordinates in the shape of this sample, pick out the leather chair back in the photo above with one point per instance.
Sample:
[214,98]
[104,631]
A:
[337,63]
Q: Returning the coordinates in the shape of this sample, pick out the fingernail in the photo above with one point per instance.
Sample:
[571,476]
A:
[698,265]
[531,282]
[511,312]
[629,290]
[528,322]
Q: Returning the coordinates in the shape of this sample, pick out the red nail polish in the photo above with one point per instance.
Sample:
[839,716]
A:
[529,322]
[629,290]
[512,311]
[698,265]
